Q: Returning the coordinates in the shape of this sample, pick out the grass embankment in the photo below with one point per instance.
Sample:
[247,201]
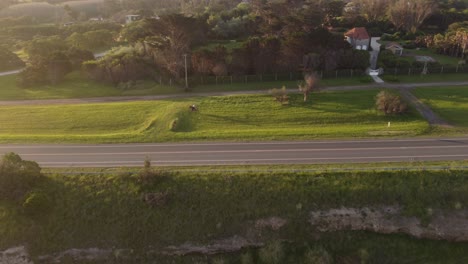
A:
[451,103]
[241,117]
[107,211]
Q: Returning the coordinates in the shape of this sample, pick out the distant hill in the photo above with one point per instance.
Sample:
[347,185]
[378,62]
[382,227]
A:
[43,12]
[46,12]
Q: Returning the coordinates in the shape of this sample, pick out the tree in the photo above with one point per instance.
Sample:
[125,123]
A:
[120,65]
[373,10]
[409,15]
[71,12]
[310,84]
[9,60]
[58,65]
[50,70]
[42,47]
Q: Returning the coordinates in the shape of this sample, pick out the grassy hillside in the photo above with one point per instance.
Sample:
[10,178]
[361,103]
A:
[106,211]
[242,117]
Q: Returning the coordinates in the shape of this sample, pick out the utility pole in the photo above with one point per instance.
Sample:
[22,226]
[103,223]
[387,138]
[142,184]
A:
[186,74]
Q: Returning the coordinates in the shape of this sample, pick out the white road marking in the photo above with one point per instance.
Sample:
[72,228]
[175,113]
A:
[253,160]
[236,151]
[229,143]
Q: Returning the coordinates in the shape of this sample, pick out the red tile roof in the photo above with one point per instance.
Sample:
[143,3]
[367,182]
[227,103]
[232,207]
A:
[358,33]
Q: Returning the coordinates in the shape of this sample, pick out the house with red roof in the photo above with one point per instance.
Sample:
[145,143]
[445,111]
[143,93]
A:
[358,38]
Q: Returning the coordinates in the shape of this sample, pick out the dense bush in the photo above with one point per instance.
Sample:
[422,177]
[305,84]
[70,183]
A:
[9,60]
[36,203]
[46,70]
[390,103]
[17,177]
[366,79]
[280,95]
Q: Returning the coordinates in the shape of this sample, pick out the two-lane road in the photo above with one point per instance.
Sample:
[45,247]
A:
[346,151]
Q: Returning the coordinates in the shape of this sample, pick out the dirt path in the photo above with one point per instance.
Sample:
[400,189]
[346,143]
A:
[111,99]
[423,109]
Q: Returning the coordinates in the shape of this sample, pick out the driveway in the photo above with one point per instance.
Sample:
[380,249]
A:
[10,72]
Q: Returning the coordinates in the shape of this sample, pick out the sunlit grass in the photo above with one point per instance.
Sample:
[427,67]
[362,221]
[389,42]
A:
[236,118]
[451,103]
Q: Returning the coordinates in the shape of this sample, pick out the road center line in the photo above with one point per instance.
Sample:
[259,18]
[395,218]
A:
[236,151]
[253,160]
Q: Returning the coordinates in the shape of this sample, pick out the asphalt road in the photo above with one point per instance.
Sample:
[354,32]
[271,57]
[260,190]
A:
[350,151]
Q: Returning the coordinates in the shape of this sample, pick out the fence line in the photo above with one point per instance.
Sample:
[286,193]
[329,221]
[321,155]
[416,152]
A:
[430,70]
[270,77]
[298,76]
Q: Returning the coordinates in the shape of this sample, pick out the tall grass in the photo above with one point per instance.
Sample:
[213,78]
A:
[106,210]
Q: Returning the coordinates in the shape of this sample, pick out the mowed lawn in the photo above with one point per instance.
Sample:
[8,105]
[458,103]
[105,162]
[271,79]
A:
[237,118]
[451,103]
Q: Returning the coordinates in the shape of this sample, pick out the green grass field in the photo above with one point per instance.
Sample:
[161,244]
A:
[106,211]
[241,117]
[433,77]
[76,86]
[451,103]
[442,59]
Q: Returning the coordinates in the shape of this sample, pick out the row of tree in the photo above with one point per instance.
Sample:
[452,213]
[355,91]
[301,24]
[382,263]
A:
[158,45]
[453,43]
[50,59]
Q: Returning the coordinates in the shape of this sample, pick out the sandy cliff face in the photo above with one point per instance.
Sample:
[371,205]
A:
[451,226]
[16,255]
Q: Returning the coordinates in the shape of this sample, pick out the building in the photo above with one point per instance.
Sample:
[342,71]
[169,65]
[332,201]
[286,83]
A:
[358,38]
[131,18]
[395,48]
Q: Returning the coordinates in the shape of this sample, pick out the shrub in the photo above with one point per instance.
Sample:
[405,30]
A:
[317,256]
[174,124]
[392,78]
[149,177]
[281,95]
[390,103]
[247,258]
[366,79]
[272,253]
[37,203]
[17,176]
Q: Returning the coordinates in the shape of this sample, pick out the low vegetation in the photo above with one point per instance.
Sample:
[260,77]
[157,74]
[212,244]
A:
[241,117]
[390,103]
[110,210]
